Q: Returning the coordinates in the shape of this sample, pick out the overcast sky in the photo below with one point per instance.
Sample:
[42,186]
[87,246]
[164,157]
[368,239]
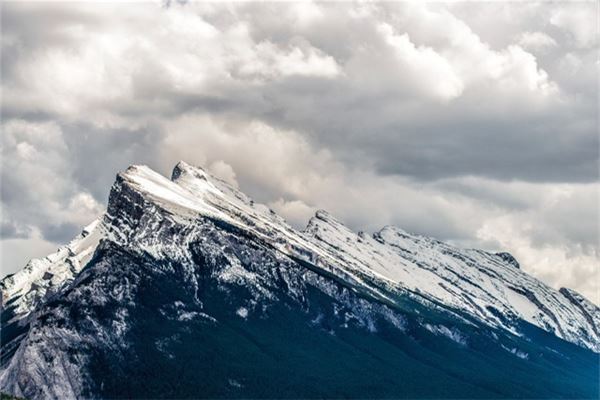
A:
[471,122]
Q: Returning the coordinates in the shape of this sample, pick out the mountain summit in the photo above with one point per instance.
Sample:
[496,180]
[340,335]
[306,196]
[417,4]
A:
[187,288]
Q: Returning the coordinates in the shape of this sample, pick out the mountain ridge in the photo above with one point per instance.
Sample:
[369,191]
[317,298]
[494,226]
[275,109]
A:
[142,179]
[162,223]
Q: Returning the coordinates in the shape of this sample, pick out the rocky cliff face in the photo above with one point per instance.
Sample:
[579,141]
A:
[187,288]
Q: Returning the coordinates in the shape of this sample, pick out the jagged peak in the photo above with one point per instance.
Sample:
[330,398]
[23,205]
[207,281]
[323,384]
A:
[391,229]
[139,182]
[186,180]
[189,193]
[142,178]
[509,258]
[183,168]
[139,172]
[566,290]
[392,233]
[389,232]
[190,187]
[574,296]
[323,217]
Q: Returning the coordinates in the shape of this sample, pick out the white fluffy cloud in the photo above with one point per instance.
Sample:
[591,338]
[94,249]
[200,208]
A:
[580,21]
[536,41]
[419,115]
[39,196]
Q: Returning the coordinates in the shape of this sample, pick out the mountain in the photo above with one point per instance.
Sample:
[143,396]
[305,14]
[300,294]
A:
[187,288]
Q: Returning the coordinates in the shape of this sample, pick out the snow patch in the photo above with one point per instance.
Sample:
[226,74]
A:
[513,350]
[242,312]
[452,334]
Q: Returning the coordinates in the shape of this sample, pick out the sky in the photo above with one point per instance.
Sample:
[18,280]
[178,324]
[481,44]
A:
[475,123]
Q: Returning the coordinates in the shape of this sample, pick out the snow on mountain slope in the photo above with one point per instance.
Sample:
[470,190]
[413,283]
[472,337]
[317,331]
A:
[40,277]
[488,287]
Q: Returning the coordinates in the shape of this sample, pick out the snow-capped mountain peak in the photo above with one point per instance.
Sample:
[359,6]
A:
[186,239]
[182,168]
[483,285]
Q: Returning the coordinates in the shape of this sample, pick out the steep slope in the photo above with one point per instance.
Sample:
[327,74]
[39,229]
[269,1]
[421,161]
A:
[190,275]
[485,285]
[24,291]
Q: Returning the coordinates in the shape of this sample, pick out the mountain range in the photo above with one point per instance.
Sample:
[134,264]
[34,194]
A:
[187,288]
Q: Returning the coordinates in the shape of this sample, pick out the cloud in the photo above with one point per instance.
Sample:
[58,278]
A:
[537,41]
[15,253]
[580,21]
[423,62]
[243,62]
[475,123]
[222,170]
[565,257]
[268,62]
[38,191]
[296,212]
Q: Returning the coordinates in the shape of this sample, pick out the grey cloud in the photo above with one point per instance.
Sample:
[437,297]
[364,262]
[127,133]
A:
[28,27]
[577,215]
[388,119]
[61,232]
[93,148]
[9,229]
[477,134]
[488,191]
